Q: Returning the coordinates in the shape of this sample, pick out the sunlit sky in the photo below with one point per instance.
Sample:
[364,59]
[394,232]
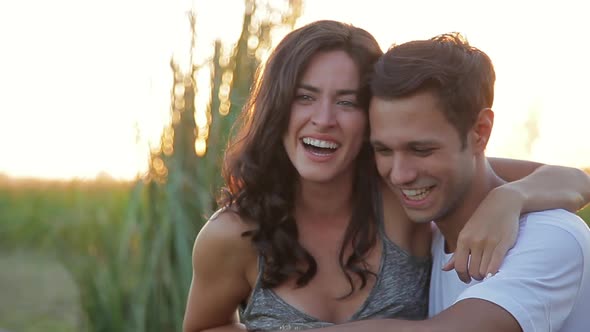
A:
[85,84]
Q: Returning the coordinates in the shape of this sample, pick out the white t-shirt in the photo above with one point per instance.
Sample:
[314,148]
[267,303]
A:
[544,281]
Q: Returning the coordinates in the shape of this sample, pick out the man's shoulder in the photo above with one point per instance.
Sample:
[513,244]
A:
[556,220]
[544,278]
[551,215]
[554,230]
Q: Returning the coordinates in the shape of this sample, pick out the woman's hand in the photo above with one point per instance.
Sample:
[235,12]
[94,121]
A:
[488,235]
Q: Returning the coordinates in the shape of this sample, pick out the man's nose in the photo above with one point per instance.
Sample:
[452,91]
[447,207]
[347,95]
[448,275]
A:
[403,171]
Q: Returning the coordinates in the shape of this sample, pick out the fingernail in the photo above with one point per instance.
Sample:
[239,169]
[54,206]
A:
[489,275]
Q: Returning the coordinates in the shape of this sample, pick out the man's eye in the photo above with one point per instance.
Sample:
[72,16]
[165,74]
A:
[347,103]
[423,152]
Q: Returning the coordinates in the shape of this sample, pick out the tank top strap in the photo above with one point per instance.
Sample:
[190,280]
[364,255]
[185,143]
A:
[247,306]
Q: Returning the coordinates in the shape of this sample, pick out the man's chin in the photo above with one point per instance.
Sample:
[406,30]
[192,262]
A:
[419,217]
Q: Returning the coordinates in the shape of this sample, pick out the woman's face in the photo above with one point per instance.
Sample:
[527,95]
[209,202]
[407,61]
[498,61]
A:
[327,125]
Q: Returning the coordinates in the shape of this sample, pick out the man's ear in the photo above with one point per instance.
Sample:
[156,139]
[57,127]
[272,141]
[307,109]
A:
[482,129]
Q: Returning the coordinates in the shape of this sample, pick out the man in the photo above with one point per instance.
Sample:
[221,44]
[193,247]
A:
[431,120]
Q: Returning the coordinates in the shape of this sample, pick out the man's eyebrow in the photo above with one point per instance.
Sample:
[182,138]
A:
[316,90]
[423,143]
[411,144]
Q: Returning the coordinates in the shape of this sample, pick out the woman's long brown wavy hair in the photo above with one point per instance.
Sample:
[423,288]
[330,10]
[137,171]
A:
[260,179]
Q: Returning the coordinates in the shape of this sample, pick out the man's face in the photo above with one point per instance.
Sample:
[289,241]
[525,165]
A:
[420,155]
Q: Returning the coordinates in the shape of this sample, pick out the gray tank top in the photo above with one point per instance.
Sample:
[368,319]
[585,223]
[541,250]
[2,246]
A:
[400,291]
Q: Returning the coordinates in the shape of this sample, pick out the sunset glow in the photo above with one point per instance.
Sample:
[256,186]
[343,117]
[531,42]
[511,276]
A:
[85,85]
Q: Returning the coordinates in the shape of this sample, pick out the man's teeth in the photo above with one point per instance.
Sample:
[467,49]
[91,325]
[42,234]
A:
[318,143]
[416,194]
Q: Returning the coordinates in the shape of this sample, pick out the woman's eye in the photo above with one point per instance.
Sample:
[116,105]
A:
[303,97]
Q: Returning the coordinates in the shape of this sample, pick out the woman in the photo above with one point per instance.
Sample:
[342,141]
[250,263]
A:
[307,235]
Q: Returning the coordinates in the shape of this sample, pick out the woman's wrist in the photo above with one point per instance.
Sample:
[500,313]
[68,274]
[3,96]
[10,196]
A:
[513,194]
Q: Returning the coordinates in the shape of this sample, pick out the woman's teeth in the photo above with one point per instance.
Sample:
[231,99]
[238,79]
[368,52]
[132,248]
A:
[318,143]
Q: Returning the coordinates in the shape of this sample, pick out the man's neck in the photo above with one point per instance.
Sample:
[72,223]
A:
[484,180]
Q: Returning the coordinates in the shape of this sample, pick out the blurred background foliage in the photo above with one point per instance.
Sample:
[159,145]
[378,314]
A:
[126,246]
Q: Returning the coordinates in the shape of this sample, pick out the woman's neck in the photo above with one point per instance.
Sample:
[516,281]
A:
[325,201]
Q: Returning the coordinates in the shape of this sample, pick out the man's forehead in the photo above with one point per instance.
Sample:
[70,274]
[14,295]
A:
[399,139]
[407,126]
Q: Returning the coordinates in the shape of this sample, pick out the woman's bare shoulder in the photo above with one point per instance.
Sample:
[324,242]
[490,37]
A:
[226,223]
[224,272]
[223,236]
[226,228]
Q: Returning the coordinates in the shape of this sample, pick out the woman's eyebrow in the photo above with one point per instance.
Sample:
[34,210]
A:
[317,90]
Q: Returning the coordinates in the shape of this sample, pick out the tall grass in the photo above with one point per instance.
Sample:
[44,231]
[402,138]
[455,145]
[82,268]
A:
[36,213]
[69,221]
